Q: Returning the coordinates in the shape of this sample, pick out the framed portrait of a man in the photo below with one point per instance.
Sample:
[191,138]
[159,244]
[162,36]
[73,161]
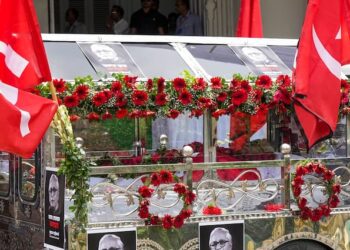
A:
[110,58]
[54,209]
[228,235]
[261,60]
[112,239]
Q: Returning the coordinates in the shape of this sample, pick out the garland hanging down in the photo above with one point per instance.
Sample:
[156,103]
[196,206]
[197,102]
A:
[332,189]
[156,180]
[128,97]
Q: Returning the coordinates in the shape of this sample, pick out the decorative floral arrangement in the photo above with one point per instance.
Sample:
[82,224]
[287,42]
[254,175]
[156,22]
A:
[128,97]
[332,189]
[146,191]
[273,207]
[211,209]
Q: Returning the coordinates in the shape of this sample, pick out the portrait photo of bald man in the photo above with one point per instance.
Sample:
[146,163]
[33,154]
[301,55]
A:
[112,239]
[223,236]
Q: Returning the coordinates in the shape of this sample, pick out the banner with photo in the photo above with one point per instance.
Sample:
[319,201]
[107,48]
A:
[226,235]
[261,60]
[118,238]
[109,58]
[54,209]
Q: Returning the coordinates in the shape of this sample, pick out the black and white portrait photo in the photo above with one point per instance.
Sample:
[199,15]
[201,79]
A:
[112,239]
[261,60]
[110,58]
[224,236]
[54,209]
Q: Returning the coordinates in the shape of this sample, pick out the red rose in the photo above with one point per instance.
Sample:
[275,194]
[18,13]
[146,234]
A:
[316,214]
[328,175]
[74,118]
[143,212]
[305,213]
[173,114]
[120,100]
[166,176]
[319,169]
[239,96]
[145,191]
[149,84]
[222,97]
[217,113]
[326,211]
[139,97]
[121,113]
[216,83]
[154,220]
[155,158]
[116,87]
[71,101]
[99,99]
[108,94]
[130,81]
[161,99]
[107,116]
[189,197]
[186,213]
[178,221]
[264,81]
[155,179]
[196,113]
[167,221]
[283,81]
[298,180]
[160,85]
[296,191]
[336,188]
[299,171]
[180,188]
[302,203]
[185,97]
[334,201]
[246,86]
[200,84]
[212,210]
[93,116]
[81,91]
[179,84]
[60,85]
[235,83]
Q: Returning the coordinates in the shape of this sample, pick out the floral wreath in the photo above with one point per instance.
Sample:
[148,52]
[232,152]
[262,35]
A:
[168,221]
[332,190]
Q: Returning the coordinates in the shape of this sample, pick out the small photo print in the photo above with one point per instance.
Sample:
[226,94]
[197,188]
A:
[112,239]
[228,235]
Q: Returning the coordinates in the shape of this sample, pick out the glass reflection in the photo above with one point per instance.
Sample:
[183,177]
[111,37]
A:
[28,178]
[4,173]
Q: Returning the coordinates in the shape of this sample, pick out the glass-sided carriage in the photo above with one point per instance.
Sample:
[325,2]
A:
[247,179]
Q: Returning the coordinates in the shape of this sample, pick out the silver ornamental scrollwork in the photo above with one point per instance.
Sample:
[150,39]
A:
[236,190]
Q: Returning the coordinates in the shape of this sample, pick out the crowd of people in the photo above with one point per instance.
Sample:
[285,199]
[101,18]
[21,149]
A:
[145,21]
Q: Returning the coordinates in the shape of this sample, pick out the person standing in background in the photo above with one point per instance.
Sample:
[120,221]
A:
[146,21]
[163,20]
[116,24]
[187,24]
[73,25]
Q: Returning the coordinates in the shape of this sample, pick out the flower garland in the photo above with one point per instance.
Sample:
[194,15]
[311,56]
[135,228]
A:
[168,221]
[211,209]
[128,97]
[332,190]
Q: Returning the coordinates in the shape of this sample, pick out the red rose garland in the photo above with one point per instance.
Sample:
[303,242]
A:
[332,189]
[168,221]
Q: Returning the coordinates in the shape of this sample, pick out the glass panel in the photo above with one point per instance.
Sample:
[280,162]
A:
[286,54]
[157,60]
[28,179]
[4,173]
[261,60]
[218,60]
[67,61]
[108,58]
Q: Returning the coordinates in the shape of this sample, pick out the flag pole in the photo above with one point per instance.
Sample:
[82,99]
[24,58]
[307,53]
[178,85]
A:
[53,92]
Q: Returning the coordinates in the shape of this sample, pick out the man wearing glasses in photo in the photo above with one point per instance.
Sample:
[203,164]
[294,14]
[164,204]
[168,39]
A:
[220,238]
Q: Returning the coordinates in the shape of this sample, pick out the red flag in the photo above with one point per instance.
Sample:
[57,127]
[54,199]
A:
[321,52]
[249,21]
[24,120]
[22,51]
[23,64]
